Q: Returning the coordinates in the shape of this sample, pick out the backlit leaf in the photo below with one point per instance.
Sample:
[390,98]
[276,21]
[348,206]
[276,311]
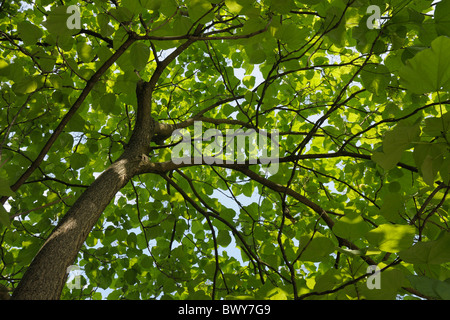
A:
[432,252]
[350,226]
[391,238]
[4,216]
[139,55]
[428,70]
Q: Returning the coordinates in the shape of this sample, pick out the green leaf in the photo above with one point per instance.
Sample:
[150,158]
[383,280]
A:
[442,18]
[445,170]
[27,85]
[76,124]
[135,6]
[432,288]
[391,238]
[47,63]
[181,26]
[328,280]
[249,81]
[200,11]
[335,32]
[167,7]
[85,52]
[4,216]
[4,68]
[108,104]
[401,137]
[56,22]
[429,159]
[130,276]
[139,55]
[255,53]
[430,252]
[315,250]
[132,240]
[437,126]
[5,190]
[78,160]
[151,4]
[387,160]
[391,280]
[394,143]
[223,238]
[428,70]
[430,168]
[122,14]
[146,262]
[375,77]
[351,226]
[282,6]
[236,6]
[393,206]
[291,34]
[28,32]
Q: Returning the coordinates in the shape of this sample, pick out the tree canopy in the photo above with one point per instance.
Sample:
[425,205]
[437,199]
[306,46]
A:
[343,164]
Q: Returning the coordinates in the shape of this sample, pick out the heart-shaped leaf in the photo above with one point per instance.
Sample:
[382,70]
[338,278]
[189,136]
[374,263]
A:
[428,70]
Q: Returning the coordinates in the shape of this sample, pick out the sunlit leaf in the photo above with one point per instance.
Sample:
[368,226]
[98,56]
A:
[428,70]
[391,238]
[351,226]
[335,147]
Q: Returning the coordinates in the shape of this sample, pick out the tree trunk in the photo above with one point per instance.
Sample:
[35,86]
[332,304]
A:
[47,274]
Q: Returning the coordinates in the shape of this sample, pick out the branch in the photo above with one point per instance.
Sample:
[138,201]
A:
[204,38]
[150,167]
[10,125]
[303,296]
[434,210]
[391,120]
[164,130]
[145,124]
[307,13]
[96,35]
[38,208]
[89,85]
[425,204]
[162,167]
[246,247]
[342,154]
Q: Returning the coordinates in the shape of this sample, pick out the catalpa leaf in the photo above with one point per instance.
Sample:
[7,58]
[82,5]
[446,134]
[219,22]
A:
[5,190]
[431,287]
[391,238]
[394,143]
[28,32]
[4,216]
[350,226]
[139,55]
[428,70]
[57,22]
[431,252]
[442,18]
[375,78]
[315,249]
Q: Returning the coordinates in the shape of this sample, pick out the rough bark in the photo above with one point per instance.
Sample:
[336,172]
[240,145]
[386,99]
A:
[47,273]
[46,276]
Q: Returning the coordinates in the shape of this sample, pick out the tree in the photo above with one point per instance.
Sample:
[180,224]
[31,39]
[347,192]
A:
[340,168]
